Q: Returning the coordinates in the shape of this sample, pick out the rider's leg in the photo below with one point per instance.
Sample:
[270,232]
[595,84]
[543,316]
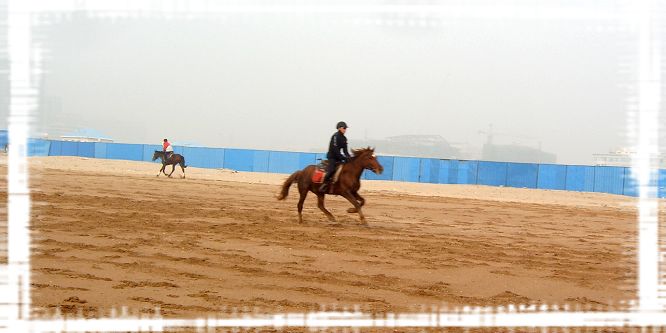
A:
[330,170]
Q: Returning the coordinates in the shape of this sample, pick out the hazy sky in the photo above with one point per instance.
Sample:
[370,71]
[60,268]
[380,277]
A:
[282,81]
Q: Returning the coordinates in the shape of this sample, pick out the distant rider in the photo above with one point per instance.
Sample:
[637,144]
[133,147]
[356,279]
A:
[167,149]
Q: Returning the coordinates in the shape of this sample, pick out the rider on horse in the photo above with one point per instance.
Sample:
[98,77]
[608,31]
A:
[167,149]
[338,142]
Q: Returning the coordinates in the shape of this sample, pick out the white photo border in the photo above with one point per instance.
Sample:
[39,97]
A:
[25,70]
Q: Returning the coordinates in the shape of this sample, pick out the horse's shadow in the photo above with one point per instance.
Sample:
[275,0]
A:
[340,222]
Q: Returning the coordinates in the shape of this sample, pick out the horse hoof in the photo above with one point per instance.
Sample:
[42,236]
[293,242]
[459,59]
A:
[351,210]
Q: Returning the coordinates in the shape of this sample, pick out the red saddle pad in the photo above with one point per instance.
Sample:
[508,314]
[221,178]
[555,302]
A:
[318,176]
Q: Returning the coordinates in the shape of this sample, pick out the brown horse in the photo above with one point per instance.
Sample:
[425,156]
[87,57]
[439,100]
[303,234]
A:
[347,185]
[173,160]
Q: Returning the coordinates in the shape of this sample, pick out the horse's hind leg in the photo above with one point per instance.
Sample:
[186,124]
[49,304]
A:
[301,200]
[320,204]
[182,168]
[361,202]
[173,167]
[303,191]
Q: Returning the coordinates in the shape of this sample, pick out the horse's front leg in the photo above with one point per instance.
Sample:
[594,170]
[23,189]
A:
[360,199]
[352,199]
[164,169]
[173,167]
[161,170]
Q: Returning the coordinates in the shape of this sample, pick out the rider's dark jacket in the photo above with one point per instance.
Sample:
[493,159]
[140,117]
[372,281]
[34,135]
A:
[338,143]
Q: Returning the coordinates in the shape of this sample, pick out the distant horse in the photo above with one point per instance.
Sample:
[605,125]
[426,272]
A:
[173,160]
[347,185]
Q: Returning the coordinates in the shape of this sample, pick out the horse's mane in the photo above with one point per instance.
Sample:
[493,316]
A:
[362,152]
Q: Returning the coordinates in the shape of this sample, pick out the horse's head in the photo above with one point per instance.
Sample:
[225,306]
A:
[157,154]
[368,159]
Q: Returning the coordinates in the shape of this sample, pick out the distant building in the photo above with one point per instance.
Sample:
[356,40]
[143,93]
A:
[86,135]
[513,152]
[433,146]
[622,158]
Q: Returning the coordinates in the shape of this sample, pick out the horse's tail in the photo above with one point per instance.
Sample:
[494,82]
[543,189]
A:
[287,183]
[183,157]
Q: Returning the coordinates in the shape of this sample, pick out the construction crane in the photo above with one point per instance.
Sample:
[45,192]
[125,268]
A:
[490,133]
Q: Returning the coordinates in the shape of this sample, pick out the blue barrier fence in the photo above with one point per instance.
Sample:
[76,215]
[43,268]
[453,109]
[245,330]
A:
[4,138]
[604,179]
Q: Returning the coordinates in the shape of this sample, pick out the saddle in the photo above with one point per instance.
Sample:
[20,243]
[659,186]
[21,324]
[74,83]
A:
[320,173]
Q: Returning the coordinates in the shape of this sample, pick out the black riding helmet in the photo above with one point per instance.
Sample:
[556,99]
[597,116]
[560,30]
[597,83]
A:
[341,124]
